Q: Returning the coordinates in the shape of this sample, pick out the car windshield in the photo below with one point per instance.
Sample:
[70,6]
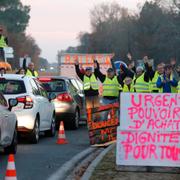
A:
[12,87]
[54,85]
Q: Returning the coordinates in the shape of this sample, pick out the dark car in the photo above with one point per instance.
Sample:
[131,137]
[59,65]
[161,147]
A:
[70,99]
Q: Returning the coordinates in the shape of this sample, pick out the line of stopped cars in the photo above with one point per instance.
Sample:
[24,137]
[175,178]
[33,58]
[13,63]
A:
[31,105]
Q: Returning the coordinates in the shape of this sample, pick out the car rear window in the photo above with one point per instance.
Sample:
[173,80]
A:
[12,87]
[54,85]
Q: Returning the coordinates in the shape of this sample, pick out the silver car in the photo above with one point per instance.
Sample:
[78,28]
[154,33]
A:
[8,126]
[70,100]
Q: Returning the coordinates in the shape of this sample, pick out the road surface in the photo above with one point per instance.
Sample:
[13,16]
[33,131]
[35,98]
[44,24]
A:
[39,161]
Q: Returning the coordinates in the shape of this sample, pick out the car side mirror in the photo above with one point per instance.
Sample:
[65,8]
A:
[51,96]
[12,103]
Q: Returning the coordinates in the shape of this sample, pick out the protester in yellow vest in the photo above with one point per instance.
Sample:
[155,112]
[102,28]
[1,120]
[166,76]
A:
[111,85]
[3,44]
[127,85]
[154,77]
[166,82]
[90,85]
[30,71]
[174,65]
[141,81]
[178,88]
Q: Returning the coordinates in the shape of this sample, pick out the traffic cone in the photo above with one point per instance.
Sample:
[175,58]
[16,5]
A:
[61,135]
[11,170]
[109,116]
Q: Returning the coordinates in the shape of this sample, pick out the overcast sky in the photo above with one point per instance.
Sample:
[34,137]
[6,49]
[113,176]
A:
[55,24]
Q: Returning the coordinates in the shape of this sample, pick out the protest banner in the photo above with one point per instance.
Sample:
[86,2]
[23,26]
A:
[149,132]
[102,124]
[85,59]
[67,61]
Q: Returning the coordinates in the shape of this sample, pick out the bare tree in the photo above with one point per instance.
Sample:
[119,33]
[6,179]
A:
[107,12]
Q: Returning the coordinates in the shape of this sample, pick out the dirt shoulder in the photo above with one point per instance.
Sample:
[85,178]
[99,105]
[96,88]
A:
[106,170]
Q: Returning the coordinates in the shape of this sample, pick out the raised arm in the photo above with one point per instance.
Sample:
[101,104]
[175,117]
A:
[24,64]
[98,73]
[78,72]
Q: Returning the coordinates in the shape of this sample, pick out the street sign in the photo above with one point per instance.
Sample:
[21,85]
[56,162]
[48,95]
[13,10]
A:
[28,60]
[8,52]
[117,64]
[149,132]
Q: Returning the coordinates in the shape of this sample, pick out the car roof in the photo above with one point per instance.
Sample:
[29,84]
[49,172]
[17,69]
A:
[15,76]
[58,77]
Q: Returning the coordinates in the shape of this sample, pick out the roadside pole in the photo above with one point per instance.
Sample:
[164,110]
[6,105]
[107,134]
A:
[59,61]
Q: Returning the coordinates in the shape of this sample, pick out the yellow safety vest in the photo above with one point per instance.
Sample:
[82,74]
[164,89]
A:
[126,89]
[173,89]
[178,88]
[2,42]
[90,82]
[111,87]
[141,86]
[29,73]
[153,86]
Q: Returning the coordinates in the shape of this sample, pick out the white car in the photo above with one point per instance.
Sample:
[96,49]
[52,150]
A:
[35,112]
[8,126]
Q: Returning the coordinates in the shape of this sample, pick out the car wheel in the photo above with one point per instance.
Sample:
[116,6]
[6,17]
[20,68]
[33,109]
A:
[13,147]
[75,121]
[52,131]
[35,133]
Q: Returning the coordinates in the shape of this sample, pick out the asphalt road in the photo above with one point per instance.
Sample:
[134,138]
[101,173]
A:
[39,161]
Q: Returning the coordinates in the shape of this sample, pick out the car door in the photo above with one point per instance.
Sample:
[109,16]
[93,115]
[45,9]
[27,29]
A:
[74,92]
[6,129]
[82,95]
[40,108]
[46,104]
[79,86]
[78,91]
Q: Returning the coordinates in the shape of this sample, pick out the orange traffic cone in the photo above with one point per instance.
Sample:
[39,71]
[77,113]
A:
[11,170]
[61,135]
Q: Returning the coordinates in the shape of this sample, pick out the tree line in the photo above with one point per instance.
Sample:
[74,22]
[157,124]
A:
[154,31]
[14,18]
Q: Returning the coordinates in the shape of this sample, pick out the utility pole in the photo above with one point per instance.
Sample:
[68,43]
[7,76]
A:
[59,61]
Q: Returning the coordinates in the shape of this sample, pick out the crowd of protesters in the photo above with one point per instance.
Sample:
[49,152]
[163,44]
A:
[165,78]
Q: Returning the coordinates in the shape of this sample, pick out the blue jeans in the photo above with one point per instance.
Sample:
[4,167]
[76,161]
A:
[106,101]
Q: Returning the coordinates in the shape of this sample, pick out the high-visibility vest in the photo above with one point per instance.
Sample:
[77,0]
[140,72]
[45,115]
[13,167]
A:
[178,88]
[2,87]
[126,88]
[111,87]
[29,73]
[2,42]
[90,82]
[153,86]
[140,86]
[173,89]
